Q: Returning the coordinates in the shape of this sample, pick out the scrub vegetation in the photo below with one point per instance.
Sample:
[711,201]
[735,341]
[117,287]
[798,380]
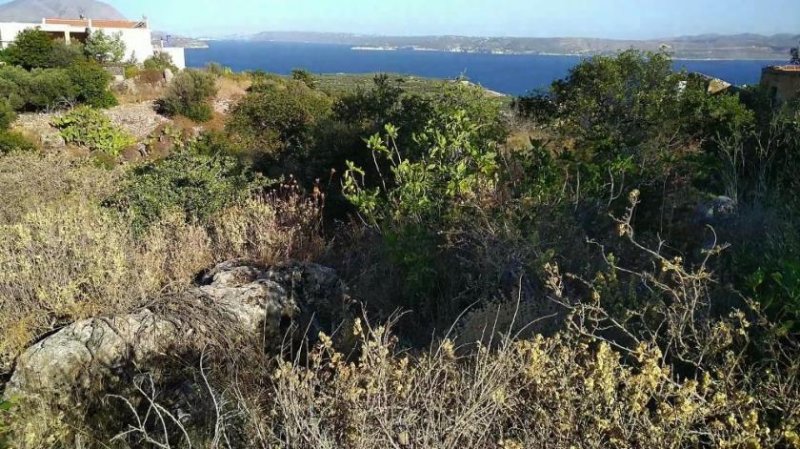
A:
[613,263]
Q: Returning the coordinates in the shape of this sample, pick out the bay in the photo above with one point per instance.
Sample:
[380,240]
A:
[509,74]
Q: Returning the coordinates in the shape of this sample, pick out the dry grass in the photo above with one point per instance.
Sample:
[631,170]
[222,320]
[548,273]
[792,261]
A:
[145,92]
[30,181]
[559,392]
[232,88]
[63,262]
[63,257]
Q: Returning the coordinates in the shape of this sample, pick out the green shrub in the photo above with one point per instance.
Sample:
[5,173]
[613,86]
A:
[277,118]
[198,185]
[34,49]
[90,128]
[65,55]
[420,200]
[13,141]
[305,77]
[132,71]
[50,89]
[218,70]
[104,48]
[91,85]
[14,86]
[31,49]
[160,61]
[189,95]
[7,115]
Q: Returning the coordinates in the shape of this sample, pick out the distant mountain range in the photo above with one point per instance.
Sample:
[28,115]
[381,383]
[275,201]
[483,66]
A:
[35,10]
[741,46]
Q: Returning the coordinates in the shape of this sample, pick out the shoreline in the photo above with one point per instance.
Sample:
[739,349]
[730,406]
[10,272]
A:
[774,58]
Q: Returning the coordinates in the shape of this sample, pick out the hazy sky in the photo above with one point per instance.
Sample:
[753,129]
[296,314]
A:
[539,18]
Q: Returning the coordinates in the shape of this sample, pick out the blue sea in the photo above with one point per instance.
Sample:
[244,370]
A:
[509,74]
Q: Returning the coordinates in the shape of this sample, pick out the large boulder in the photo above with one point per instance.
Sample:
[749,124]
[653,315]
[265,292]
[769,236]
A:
[235,301]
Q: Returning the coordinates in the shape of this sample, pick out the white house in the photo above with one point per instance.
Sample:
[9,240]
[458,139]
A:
[137,36]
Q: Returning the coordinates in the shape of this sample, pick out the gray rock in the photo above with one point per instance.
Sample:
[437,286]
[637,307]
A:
[716,210]
[168,75]
[238,301]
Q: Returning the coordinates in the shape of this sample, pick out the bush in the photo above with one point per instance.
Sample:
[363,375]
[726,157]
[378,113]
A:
[35,49]
[150,76]
[189,95]
[90,128]
[104,48]
[91,85]
[32,49]
[305,77]
[131,71]
[218,70]
[51,89]
[14,86]
[160,61]
[195,185]
[277,119]
[13,141]
[64,55]
[7,115]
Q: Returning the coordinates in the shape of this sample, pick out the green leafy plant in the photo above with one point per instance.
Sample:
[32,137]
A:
[189,95]
[197,185]
[90,128]
[91,85]
[418,201]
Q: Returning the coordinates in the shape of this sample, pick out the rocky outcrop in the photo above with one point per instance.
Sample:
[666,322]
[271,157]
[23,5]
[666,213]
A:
[234,301]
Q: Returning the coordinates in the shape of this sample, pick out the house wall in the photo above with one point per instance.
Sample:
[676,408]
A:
[9,32]
[785,81]
[178,56]
[138,42]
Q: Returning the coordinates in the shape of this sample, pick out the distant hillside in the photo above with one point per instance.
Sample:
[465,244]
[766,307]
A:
[744,46]
[173,40]
[35,10]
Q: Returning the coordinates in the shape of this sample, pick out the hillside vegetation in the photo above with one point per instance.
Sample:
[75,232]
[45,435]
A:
[614,263]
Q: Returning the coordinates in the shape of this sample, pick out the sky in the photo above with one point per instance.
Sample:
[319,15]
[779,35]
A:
[621,19]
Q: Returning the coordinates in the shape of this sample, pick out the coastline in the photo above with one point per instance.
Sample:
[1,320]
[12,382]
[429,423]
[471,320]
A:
[776,57]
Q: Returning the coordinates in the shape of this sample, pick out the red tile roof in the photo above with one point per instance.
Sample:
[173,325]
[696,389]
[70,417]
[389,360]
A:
[95,23]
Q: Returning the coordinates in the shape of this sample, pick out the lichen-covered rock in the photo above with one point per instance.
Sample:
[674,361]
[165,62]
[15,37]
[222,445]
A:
[243,302]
